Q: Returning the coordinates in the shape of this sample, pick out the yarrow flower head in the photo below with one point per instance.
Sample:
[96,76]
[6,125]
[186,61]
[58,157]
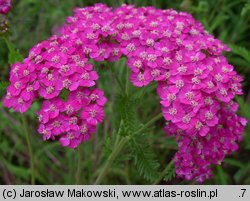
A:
[5,6]
[196,84]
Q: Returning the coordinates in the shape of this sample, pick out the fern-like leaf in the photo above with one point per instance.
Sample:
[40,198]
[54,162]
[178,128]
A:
[241,51]
[64,94]
[3,87]
[170,173]
[14,55]
[144,157]
[245,9]
[128,115]
[145,160]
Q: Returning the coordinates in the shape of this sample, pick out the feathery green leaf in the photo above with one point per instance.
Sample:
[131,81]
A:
[241,51]
[145,159]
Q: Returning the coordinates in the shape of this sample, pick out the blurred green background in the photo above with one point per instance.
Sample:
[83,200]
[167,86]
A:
[34,20]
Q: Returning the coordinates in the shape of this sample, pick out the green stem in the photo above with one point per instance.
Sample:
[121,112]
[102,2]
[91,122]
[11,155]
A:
[9,45]
[159,116]
[127,82]
[119,146]
[79,164]
[111,158]
[116,77]
[32,163]
[157,181]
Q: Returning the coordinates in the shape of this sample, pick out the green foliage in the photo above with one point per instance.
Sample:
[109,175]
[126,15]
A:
[242,175]
[64,94]
[4,85]
[128,115]
[244,108]
[14,55]
[234,162]
[21,172]
[145,159]
[221,177]
[241,51]
[245,9]
[143,155]
[170,173]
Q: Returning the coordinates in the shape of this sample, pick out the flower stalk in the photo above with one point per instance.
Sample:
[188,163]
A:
[111,158]
[119,146]
[163,173]
[79,165]
[30,150]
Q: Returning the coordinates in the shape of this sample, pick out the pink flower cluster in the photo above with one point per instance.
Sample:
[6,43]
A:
[5,6]
[196,84]
[196,153]
[51,67]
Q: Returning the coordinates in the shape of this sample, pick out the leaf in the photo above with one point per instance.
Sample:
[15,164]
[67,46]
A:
[245,9]
[138,95]
[127,109]
[238,61]
[107,146]
[234,162]
[16,170]
[221,176]
[242,174]
[241,51]
[14,55]
[244,107]
[217,21]
[145,160]
[143,156]
[170,174]
[64,94]
[4,85]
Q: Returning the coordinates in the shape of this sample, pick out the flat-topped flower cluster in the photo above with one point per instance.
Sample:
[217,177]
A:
[5,6]
[196,84]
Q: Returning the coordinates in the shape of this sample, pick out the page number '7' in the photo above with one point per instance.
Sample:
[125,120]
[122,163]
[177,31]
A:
[243,192]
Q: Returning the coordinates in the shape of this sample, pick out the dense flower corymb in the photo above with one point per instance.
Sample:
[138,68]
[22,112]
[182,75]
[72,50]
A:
[196,84]
[5,6]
